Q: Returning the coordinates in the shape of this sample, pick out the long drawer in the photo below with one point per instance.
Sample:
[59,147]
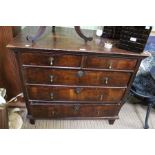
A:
[76,77]
[75,94]
[67,110]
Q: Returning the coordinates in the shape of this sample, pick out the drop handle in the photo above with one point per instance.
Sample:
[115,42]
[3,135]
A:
[110,65]
[101,97]
[106,80]
[51,61]
[52,96]
[51,78]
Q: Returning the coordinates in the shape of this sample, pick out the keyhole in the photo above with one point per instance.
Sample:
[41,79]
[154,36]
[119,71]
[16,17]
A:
[80,73]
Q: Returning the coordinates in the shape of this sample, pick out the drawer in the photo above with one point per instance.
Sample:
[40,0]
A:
[75,94]
[110,63]
[76,77]
[50,76]
[98,78]
[74,110]
[51,59]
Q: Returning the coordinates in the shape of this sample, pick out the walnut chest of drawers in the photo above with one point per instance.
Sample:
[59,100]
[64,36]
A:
[65,78]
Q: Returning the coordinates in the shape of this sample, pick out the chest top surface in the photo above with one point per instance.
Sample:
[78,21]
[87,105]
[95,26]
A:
[66,39]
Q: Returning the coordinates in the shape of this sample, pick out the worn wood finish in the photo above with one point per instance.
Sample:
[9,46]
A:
[74,110]
[64,77]
[66,40]
[51,60]
[74,94]
[76,77]
[110,63]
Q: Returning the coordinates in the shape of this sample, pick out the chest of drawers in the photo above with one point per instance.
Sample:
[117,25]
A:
[63,77]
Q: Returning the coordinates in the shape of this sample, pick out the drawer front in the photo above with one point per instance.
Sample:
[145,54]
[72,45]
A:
[57,111]
[51,76]
[75,94]
[110,63]
[97,78]
[76,77]
[51,60]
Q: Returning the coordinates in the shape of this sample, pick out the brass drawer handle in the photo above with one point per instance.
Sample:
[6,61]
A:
[51,61]
[78,90]
[80,74]
[101,98]
[51,78]
[52,96]
[106,80]
[110,65]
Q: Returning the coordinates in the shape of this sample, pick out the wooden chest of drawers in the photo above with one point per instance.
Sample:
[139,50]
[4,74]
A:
[63,77]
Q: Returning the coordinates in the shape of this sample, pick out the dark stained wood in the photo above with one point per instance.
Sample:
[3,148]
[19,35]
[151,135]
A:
[53,76]
[9,76]
[98,78]
[16,30]
[110,63]
[64,77]
[18,55]
[84,80]
[67,110]
[72,86]
[74,94]
[65,39]
[51,60]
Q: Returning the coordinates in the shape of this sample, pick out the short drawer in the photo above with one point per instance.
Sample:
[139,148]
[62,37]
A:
[110,63]
[74,110]
[76,77]
[42,59]
[75,94]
